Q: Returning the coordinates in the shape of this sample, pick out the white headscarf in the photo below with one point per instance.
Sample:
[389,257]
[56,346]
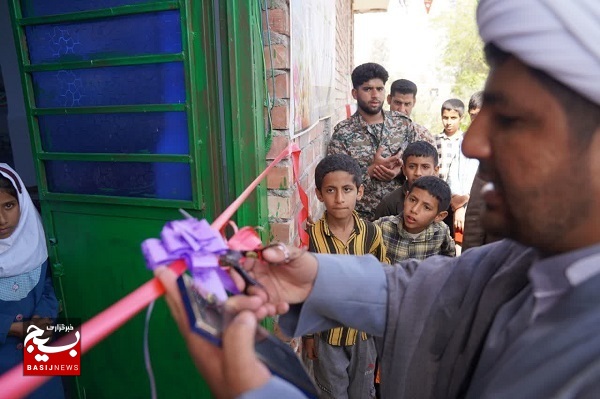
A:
[561,38]
[25,250]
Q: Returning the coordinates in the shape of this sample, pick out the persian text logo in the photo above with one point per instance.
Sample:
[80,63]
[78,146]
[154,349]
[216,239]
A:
[42,358]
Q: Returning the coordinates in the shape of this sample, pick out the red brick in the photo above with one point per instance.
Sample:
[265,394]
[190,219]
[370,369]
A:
[282,86]
[278,144]
[317,131]
[282,231]
[280,178]
[280,55]
[303,140]
[279,21]
[280,116]
[306,157]
[279,207]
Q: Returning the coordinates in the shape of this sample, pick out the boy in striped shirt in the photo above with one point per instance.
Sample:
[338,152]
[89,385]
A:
[343,358]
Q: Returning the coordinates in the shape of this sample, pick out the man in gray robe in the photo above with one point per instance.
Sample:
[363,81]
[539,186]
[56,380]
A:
[519,318]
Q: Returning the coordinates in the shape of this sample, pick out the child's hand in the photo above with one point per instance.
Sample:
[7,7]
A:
[308,347]
[459,219]
[458,201]
[18,328]
[41,323]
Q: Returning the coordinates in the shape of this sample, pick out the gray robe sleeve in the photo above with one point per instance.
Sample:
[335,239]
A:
[349,291]
[274,389]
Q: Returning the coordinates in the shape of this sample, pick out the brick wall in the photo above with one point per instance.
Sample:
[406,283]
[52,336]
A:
[284,202]
[344,62]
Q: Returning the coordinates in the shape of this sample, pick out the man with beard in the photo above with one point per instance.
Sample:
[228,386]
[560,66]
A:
[374,137]
[518,318]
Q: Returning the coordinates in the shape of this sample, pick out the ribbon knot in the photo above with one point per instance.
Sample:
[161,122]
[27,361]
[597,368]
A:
[200,246]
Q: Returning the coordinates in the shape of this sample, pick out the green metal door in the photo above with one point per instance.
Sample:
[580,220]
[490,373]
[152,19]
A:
[135,110]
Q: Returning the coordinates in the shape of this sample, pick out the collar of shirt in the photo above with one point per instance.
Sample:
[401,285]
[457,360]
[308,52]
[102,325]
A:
[455,137]
[554,276]
[357,117]
[328,232]
[423,236]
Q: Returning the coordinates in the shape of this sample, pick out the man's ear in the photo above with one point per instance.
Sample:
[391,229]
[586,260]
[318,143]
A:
[436,169]
[319,195]
[354,93]
[441,216]
[361,191]
[389,99]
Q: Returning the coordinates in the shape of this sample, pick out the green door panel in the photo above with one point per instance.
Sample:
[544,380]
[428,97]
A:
[137,108]
[101,263]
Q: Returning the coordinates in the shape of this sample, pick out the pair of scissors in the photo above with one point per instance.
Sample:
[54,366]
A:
[233,259]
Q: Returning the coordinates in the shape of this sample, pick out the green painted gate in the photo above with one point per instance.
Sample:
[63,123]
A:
[137,108]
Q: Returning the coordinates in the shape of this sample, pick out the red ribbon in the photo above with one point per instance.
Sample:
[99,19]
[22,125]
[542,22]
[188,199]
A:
[15,385]
[302,216]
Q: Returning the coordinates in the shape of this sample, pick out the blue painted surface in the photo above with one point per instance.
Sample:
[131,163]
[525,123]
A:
[130,35]
[122,133]
[39,8]
[128,179]
[122,85]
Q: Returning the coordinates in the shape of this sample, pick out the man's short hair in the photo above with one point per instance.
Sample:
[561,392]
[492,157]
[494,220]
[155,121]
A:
[583,115]
[334,163]
[437,188]
[454,104]
[365,72]
[420,149]
[476,100]
[403,86]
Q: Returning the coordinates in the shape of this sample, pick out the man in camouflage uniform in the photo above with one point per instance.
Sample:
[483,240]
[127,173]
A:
[402,98]
[374,137]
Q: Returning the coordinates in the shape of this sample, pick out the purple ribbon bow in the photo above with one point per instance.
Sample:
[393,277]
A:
[200,246]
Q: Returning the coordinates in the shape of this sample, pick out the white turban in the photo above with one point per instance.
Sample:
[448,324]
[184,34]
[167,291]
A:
[561,38]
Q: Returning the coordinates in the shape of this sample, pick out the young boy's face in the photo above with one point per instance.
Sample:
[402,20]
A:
[451,120]
[420,210]
[339,194]
[415,167]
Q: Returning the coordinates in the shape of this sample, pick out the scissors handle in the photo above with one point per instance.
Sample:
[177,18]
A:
[232,258]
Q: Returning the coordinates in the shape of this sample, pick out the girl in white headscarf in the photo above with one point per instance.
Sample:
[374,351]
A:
[26,293]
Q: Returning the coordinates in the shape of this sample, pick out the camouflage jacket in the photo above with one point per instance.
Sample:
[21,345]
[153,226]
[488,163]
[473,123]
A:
[356,138]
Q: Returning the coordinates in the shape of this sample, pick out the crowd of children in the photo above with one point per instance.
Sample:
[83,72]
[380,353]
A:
[420,216]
